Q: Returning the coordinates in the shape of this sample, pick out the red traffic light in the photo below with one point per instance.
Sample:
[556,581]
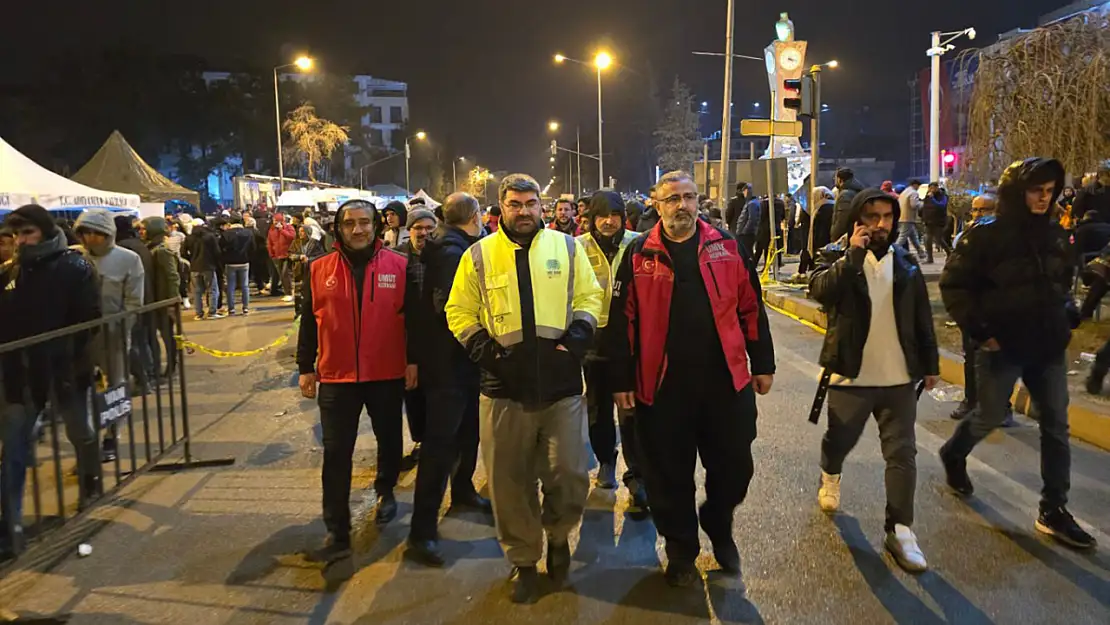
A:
[949,158]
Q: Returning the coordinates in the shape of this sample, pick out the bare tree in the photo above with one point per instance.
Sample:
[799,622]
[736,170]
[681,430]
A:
[312,140]
[1042,93]
[677,140]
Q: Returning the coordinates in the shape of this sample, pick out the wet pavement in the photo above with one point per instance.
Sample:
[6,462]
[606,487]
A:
[224,545]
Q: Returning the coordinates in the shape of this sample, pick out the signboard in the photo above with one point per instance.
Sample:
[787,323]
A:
[769,128]
[753,172]
[113,404]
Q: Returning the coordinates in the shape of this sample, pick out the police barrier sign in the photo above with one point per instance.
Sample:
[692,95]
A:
[113,404]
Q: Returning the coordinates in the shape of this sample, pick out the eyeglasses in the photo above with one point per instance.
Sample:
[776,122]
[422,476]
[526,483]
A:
[517,206]
[677,199]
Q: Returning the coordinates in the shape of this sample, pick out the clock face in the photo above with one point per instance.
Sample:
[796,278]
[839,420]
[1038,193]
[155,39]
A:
[790,59]
[770,56]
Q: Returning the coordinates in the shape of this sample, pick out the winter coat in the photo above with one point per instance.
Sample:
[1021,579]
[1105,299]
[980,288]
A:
[53,287]
[202,250]
[842,220]
[763,229]
[139,248]
[444,363]
[237,245]
[279,238]
[167,280]
[840,286]
[1095,197]
[935,210]
[732,213]
[648,220]
[1010,278]
[747,224]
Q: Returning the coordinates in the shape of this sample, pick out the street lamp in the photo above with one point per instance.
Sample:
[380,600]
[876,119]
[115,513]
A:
[408,156]
[935,52]
[602,61]
[553,126]
[304,64]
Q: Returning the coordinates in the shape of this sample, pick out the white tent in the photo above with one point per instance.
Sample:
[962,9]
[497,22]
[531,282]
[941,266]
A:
[429,203]
[23,181]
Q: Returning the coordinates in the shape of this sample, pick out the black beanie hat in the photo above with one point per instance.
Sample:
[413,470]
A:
[605,203]
[36,216]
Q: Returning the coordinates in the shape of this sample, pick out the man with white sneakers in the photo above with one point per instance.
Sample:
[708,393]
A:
[880,341]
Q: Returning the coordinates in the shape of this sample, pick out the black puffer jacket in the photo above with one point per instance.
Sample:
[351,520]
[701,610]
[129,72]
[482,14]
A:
[840,286]
[55,287]
[202,248]
[443,361]
[1010,279]
[842,219]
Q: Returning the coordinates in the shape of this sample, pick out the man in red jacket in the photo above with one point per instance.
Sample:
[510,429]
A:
[686,320]
[278,240]
[353,344]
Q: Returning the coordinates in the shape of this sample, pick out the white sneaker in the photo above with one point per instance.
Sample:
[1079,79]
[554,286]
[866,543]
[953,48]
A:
[828,496]
[902,544]
[188,304]
[287,298]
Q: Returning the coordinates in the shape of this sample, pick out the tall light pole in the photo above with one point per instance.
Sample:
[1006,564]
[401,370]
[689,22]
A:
[937,50]
[815,148]
[304,64]
[726,114]
[408,157]
[601,62]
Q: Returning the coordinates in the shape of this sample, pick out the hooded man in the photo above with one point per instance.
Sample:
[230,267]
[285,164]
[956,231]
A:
[352,344]
[566,217]
[46,286]
[395,234]
[605,245]
[847,187]
[237,247]
[420,223]
[167,285]
[880,341]
[278,239]
[143,334]
[1008,285]
[202,249]
[934,214]
[122,287]
[449,380]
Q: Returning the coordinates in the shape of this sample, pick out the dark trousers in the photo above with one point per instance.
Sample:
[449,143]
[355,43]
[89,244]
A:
[748,242]
[340,408]
[416,412]
[450,448]
[936,235]
[715,422]
[972,375]
[165,322]
[260,271]
[895,410]
[1048,388]
[603,432]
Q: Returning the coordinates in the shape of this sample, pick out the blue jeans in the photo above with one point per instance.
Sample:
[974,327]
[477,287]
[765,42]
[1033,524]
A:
[204,282]
[1048,388]
[237,278]
[908,234]
[16,432]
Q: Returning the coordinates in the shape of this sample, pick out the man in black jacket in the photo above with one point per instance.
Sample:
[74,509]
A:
[880,340]
[236,249]
[450,381]
[736,205]
[1008,286]
[143,334]
[847,187]
[202,249]
[45,287]
[420,222]
[935,215]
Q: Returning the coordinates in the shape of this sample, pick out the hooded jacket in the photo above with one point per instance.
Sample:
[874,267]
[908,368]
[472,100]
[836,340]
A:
[127,238]
[840,286]
[202,249]
[934,212]
[395,237]
[121,273]
[279,237]
[167,280]
[842,218]
[1010,279]
[237,245]
[50,287]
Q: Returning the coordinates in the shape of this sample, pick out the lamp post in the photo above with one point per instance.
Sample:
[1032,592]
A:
[937,50]
[408,157]
[304,64]
[601,62]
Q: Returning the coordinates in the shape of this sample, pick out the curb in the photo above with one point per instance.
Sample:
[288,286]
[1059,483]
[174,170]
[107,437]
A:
[1086,424]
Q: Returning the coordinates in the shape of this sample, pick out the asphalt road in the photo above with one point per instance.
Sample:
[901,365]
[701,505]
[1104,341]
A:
[222,546]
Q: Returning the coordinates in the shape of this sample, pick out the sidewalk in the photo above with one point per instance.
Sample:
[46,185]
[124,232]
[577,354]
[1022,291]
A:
[1088,417]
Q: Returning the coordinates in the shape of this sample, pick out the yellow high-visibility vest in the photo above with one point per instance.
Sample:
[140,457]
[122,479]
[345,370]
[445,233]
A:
[603,270]
[485,293]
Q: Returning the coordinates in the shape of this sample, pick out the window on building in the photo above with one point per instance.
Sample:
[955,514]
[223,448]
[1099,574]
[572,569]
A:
[395,115]
[388,93]
[376,137]
[375,114]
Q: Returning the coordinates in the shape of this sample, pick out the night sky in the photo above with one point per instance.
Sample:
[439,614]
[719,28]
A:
[480,72]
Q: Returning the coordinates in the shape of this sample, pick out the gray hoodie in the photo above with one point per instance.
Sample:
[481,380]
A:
[121,270]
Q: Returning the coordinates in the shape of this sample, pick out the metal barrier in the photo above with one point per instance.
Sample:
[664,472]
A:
[112,377]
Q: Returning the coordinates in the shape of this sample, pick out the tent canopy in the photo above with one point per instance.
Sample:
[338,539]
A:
[118,167]
[23,181]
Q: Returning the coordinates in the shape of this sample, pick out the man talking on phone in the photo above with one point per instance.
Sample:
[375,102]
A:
[880,341]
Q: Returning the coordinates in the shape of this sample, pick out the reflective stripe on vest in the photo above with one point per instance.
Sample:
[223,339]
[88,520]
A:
[604,270]
[551,264]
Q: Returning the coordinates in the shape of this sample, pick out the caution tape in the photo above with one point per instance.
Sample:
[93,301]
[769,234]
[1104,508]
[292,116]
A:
[190,346]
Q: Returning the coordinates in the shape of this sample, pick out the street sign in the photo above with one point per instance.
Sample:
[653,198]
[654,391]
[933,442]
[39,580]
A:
[768,128]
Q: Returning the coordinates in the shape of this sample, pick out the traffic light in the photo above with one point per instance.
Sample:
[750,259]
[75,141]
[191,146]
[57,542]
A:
[948,162]
[799,95]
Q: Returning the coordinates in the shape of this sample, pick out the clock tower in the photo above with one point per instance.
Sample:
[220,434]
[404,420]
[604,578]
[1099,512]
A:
[786,60]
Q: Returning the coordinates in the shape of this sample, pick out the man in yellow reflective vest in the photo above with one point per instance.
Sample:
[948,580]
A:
[605,244]
[525,305]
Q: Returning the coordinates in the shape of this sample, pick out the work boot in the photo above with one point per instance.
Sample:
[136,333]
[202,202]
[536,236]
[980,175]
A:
[1094,381]
[387,508]
[558,562]
[525,584]
[425,552]
[334,548]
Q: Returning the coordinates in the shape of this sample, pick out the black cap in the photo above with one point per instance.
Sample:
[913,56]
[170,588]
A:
[845,173]
[603,204]
[36,216]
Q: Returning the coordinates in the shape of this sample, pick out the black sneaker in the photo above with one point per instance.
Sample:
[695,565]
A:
[471,500]
[1059,524]
[1094,381]
[727,555]
[425,552]
[333,549]
[639,495]
[108,450]
[961,411]
[955,472]
[526,584]
[558,562]
[681,574]
[387,508]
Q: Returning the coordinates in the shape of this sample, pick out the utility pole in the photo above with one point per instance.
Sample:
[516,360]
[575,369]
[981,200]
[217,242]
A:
[600,151]
[934,110]
[705,159]
[578,136]
[815,160]
[726,115]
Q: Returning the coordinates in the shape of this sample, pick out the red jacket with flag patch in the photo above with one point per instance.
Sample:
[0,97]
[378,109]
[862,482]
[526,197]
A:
[635,340]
